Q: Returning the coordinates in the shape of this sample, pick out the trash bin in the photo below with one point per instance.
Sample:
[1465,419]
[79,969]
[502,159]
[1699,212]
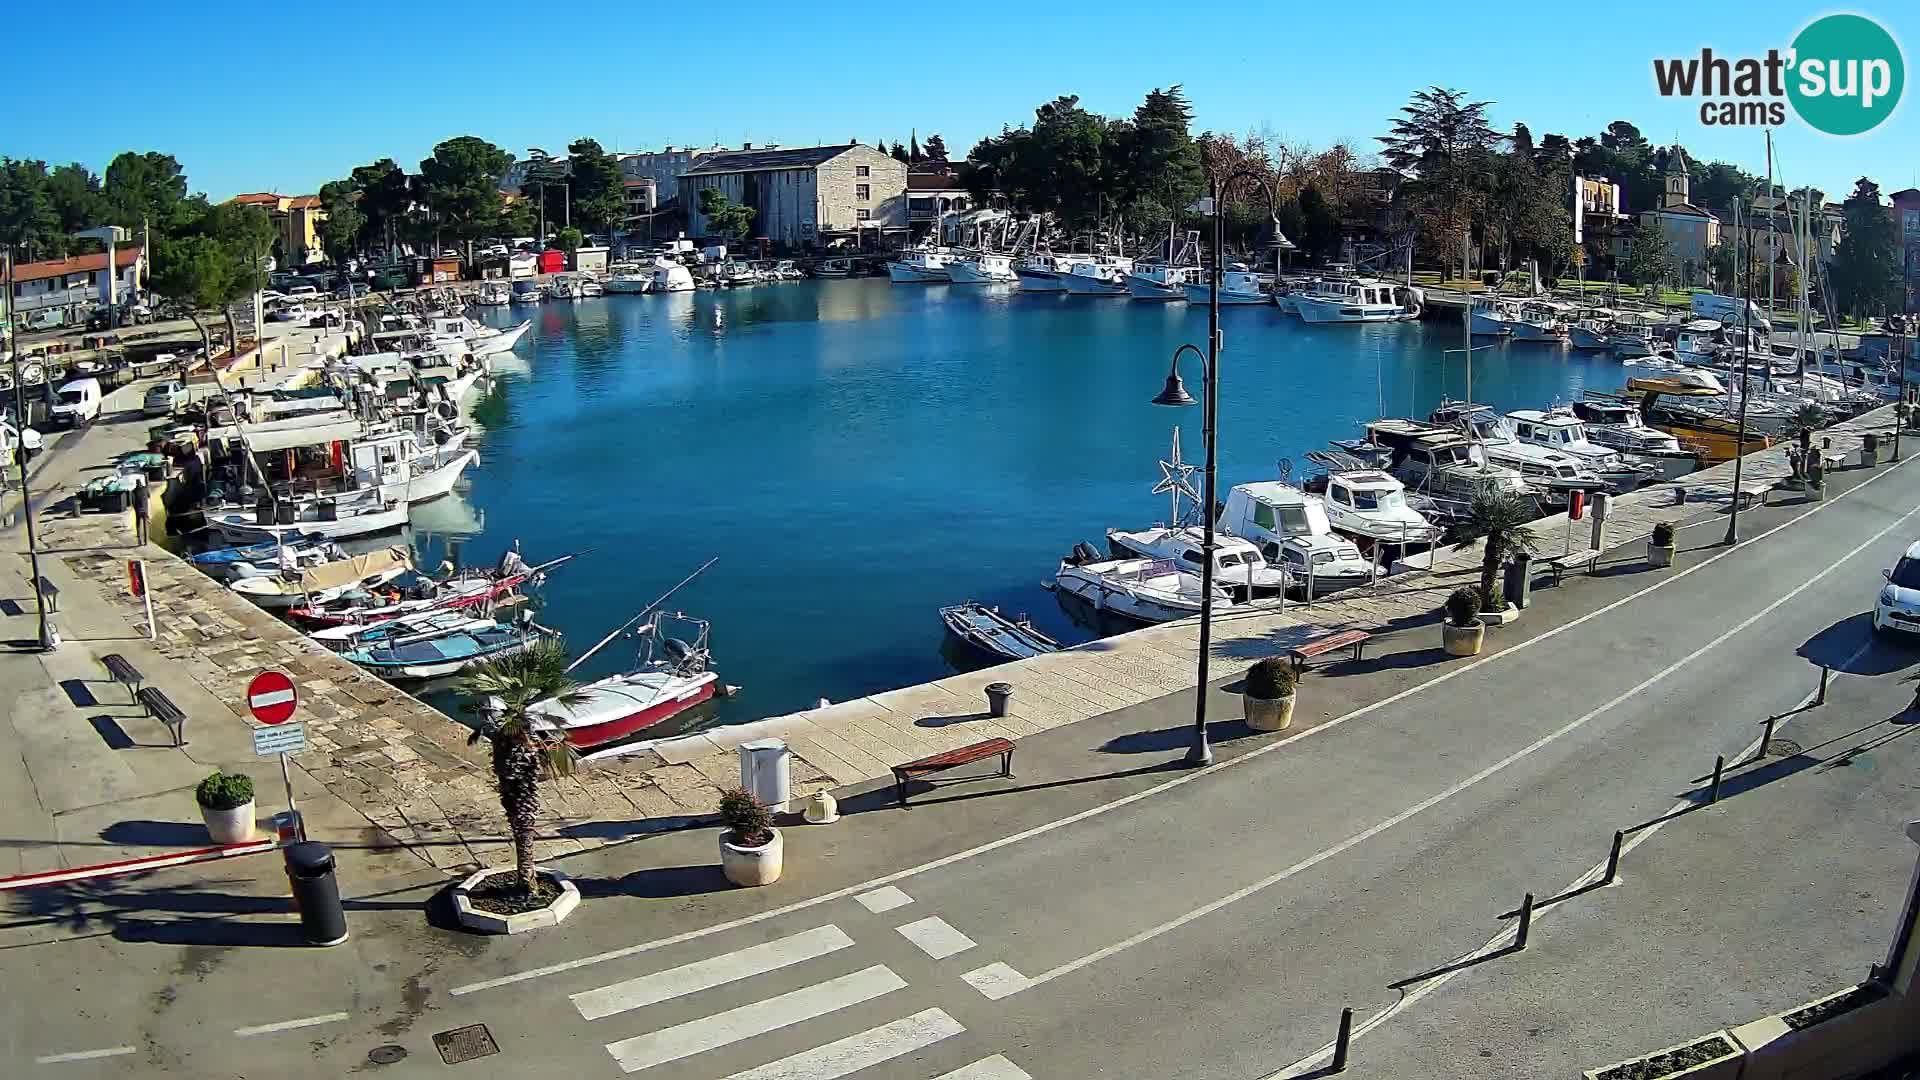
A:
[766,772]
[999,695]
[1870,448]
[316,893]
[1518,586]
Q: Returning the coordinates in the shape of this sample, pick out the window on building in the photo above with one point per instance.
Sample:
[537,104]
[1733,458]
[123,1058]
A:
[862,192]
[864,215]
[862,170]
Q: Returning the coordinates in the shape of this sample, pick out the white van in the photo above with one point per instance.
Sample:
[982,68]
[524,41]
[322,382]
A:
[79,403]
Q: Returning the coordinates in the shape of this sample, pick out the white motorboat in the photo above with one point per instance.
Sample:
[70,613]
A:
[1043,272]
[1237,564]
[1238,285]
[674,674]
[1492,316]
[1098,275]
[1160,281]
[1551,474]
[265,559]
[1619,426]
[1436,461]
[527,292]
[1540,321]
[834,268]
[492,294]
[1367,503]
[478,338]
[360,513]
[419,478]
[982,268]
[1145,591]
[1559,430]
[1359,300]
[670,277]
[628,277]
[1631,335]
[326,582]
[1292,530]
[923,265]
[1592,331]
[1700,342]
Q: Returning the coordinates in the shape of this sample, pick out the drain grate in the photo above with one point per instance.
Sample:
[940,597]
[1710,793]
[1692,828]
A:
[464,1044]
[386,1055]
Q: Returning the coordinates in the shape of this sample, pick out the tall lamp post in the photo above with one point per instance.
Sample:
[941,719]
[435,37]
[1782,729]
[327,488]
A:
[47,636]
[1175,394]
[1746,334]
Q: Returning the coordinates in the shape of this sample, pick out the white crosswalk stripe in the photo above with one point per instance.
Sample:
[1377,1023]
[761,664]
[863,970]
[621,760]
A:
[996,1067]
[705,974]
[936,937]
[885,898]
[856,1052]
[747,1021]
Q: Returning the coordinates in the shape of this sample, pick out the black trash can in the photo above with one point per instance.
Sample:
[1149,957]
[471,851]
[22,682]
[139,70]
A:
[316,893]
[1870,448]
[1518,586]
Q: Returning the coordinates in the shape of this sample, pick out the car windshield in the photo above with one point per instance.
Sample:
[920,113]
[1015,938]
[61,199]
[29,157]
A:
[72,397]
[1906,574]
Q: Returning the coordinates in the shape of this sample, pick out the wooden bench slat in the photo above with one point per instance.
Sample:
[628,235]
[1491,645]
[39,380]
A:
[161,708]
[963,755]
[122,671]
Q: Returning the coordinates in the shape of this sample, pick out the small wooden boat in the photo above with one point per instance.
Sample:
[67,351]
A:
[327,582]
[470,588]
[987,632]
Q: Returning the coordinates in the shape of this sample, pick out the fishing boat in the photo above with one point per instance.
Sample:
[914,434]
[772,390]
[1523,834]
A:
[981,268]
[1540,321]
[327,582]
[834,268]
[1359,300]
[674,674]
[1492,316]
[1238,285]
[1144,591]
[922,265]
[470,587]
[1098,275]
[435,654]
[1159,281]
[1238,566]
[1631,335]
[333,517]
[1043,272]
[492,294]
[1592,331]
[991,635]
[364,635]
[252,560]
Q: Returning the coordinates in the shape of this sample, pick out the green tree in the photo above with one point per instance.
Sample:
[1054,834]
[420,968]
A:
[461,183]
[1154,160]
[1443,141]
[146,188]
[28,223]
[913,148]
[935,149]
[899,154]
[211,260]
[724,216]
[76,197]
[344,228]
[599,195]
[569,240]
[1319,228]
[385,198]
[1499,517]
[1865,272]
[1721,266]
[523,755]
[1650,261]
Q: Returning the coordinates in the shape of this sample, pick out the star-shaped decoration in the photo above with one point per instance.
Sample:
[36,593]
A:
[1176,479]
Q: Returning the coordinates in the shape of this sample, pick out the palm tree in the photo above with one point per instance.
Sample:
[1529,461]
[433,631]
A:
[1500,517]
[523,755]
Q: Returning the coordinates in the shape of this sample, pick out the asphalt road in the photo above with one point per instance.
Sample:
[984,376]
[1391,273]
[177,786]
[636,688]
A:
[1142,922]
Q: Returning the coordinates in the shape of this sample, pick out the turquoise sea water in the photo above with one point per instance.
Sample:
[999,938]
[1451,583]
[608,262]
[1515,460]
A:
[859,454]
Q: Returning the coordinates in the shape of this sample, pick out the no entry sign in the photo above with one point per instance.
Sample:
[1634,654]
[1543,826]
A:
[271,697]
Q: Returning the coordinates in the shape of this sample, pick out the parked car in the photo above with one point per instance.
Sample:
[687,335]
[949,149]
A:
[78,403]
[1898,605]
[300,292]
[162,398]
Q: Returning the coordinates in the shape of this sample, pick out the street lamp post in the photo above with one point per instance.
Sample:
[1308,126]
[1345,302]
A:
[1746,334]
[47,636]
[1200,752]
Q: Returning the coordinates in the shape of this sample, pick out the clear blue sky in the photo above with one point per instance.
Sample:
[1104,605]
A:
[272,97]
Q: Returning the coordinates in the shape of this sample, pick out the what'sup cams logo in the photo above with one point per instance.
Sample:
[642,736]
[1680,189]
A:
[1842,75]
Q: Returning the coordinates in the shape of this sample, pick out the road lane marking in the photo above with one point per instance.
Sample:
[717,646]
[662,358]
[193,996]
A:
[883,899]
[996,1067]
[705,974]
[1443,795]
[856,1052]
[996,981]
[1504,938]
[1168,785]
[758,1018]
[289,1025]
[936,937]
[83,1055]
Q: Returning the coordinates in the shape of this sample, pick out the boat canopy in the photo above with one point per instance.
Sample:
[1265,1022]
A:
[340,572]
[287,438]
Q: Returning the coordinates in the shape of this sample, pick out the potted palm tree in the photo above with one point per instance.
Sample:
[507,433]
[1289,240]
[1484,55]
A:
[1269,694]
[1660,545]
[1500,518]
[524,896]
[226,805]
[1462,633]
[750,847]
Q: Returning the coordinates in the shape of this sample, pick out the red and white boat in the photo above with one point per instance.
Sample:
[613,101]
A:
[672,677]
[471,588]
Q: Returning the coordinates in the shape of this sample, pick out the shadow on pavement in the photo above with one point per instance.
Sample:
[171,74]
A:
[658,883]
[1831,648]
[80,693]
[617,830]
[156,834]
[1166,740]
[1410,658]
[883,797]
[949,721]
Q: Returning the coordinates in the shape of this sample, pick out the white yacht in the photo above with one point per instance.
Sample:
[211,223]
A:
[1359,300]
[982,268]
[1560,430]
[670,277]
[1158,281]
[627,277]
[479,338]
[1619,426]
[1098,275]
[922,265]
[1142,590]
[1292,531]
[1367,503]
[1043,272]
[1550,474]
[1238,565]
[1238,285]
[1437,461]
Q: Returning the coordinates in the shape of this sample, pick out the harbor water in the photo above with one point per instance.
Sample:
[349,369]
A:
[860,454]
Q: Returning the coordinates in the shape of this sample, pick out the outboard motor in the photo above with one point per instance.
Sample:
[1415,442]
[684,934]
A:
[1083,554]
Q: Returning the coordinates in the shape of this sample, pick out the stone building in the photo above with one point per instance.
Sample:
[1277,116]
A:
[811,196]
[1691,231]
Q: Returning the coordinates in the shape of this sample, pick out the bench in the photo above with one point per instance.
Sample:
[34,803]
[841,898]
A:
[1558,565]
[1755,492]
[1354,639]
[49,593]
[122,671]
[161,708]
[950,759]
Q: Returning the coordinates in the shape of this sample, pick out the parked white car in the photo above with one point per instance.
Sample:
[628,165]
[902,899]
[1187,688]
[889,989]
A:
[1898,605]
[163,398]
[78,404]
[11,439]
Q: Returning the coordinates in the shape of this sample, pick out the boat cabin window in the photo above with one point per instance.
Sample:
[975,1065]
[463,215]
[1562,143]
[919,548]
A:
[1263,514]
[1190,556]
[1230,559]
[1364,499]
[1340,494]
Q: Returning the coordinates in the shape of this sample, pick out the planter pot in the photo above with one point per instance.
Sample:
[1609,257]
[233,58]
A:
[555,911]
[1269,714]
[1659,556]
[1848,1042]
[1719,1066]
[1500,618]
[1463,640]
[751,865]
[1816,493]
[235,826]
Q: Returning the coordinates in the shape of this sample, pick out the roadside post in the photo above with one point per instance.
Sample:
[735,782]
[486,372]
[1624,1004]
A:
[137,582]
[1576,503]
[272,699]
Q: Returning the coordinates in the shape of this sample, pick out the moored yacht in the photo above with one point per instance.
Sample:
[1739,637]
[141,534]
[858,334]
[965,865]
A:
[1359,300]
[1618,426]
[981,268]
[1098,275]
[1238,566]
[1550,474]
[1559,430]
[923,265]
[1367,503]
[1292,531]
[1145,591]
[670,277]
[1238,285]
[628,278]
[1159,281]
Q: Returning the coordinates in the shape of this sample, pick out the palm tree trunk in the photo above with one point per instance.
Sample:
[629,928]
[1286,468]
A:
[1489,566]
[516,769]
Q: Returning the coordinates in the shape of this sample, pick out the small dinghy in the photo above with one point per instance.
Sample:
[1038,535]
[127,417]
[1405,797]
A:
[985,631]
[327,582]
[433,654]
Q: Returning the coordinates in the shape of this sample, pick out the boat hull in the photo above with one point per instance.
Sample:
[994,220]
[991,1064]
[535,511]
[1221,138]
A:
[1199,294]
[903,274]
[501,342]
[618,724]
[1087,285]
[969,273]
[1315,310]
[243,529]
[432,484]
[1146,288]
[1040,281]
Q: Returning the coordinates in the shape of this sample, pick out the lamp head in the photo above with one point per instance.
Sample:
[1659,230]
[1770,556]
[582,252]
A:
[1175,392]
